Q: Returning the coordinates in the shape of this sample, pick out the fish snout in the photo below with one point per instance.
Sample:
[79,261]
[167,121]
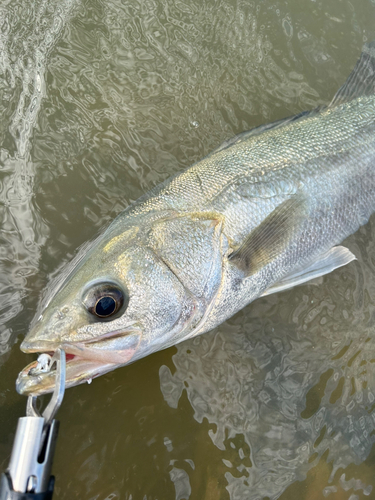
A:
[52,329]
[84,360]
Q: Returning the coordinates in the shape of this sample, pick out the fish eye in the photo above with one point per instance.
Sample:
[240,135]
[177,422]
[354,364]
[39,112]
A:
[105,299]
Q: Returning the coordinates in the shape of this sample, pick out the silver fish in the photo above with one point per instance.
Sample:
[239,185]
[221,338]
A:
[262,213]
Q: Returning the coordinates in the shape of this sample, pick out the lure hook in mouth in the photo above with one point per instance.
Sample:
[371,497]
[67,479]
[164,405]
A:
[45,364]
[84,362]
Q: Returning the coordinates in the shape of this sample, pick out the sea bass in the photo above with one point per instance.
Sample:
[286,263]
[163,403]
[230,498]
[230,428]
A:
[262,213]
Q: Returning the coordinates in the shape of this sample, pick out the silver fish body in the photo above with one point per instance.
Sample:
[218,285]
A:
[262,213]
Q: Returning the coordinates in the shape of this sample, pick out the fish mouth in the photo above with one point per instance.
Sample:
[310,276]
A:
[84,362]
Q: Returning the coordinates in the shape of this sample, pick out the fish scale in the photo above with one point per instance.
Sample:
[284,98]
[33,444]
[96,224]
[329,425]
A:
[264,212]
[295,154]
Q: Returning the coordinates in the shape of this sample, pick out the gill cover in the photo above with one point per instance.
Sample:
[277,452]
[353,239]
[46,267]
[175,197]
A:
[135,292]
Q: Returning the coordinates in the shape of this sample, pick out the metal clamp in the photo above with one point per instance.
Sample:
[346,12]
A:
[29,472]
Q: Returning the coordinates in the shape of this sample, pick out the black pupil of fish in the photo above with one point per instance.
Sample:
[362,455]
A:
[105,306]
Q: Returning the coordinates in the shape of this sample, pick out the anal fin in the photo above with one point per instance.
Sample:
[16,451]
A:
[328,262]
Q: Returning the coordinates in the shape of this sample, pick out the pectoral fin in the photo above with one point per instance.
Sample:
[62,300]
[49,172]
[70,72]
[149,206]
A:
[271,237]
[331,260]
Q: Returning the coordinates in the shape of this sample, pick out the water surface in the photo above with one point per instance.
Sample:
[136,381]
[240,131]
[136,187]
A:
[100,101]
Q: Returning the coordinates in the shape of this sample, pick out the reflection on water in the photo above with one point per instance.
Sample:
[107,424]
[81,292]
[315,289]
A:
[101,100]
[27,36]
[288,381]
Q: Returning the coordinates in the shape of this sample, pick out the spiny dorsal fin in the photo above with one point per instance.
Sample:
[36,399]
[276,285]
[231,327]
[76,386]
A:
[243,136]
[361,80]
[271,237]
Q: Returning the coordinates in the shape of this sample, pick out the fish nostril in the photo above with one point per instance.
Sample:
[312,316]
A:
[60,315]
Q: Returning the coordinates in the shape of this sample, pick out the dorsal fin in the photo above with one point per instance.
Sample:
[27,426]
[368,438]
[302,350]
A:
[243,136]
[361,80]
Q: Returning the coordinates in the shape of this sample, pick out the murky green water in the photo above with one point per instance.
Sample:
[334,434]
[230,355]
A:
[99,101]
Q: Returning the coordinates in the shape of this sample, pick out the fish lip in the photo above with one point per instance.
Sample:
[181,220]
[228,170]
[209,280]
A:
[48,345]
[44,383]
[45,346]
[85,365]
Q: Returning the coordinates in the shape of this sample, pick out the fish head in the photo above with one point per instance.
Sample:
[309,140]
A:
[119,303]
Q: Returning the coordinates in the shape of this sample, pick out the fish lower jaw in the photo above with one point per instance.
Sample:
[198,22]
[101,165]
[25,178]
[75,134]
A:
[116,349]
[82,365]
[78,371]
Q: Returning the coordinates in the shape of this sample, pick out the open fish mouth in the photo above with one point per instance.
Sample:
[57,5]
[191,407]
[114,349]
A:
[84,362]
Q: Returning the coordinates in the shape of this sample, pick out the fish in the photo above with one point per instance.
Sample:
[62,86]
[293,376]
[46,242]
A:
[264,212]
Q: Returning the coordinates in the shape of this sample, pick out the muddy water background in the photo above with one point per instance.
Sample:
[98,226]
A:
[100,101]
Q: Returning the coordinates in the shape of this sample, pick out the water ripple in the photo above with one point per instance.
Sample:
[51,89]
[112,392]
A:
[100,101]
[294,375]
